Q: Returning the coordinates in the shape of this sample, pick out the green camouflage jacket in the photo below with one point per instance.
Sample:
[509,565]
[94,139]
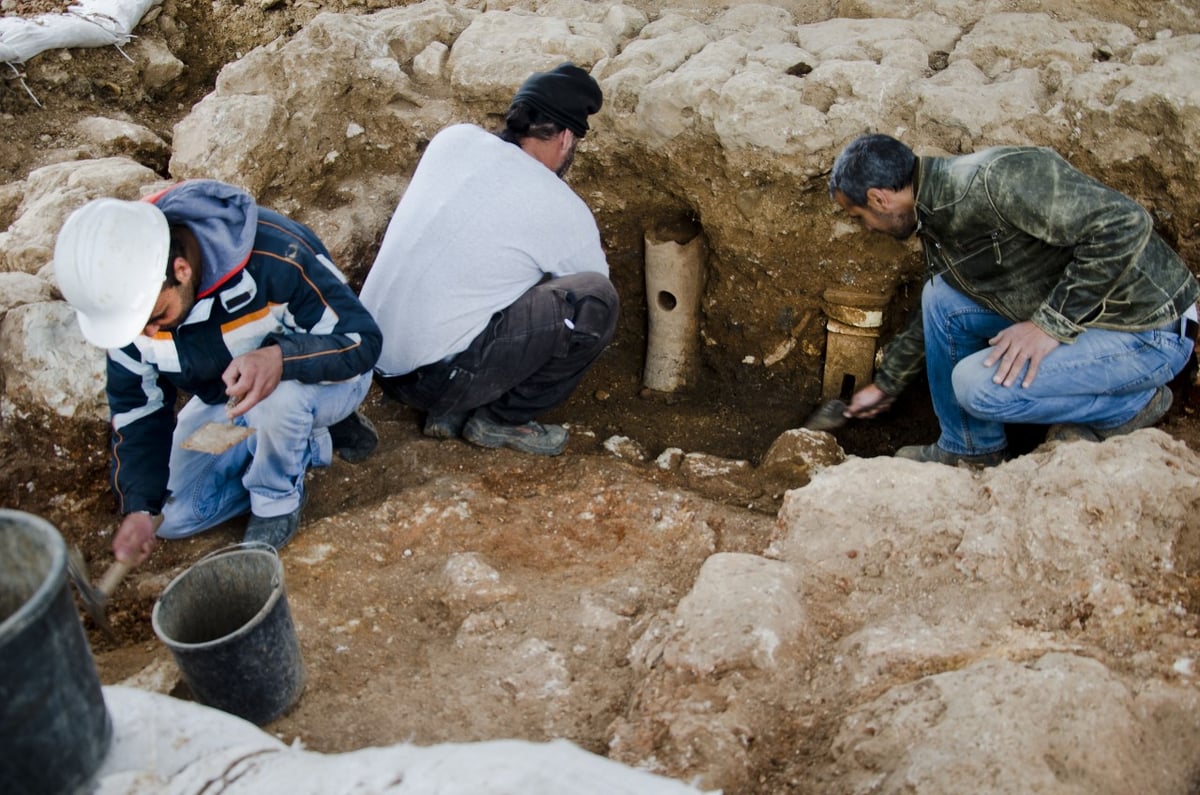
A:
[1023,233]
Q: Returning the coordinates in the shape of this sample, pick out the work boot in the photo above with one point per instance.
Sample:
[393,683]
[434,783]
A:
[1154,410]
[449,426]
[1070,432]
[531,437]
[354,438]
[275,530]
[935,454]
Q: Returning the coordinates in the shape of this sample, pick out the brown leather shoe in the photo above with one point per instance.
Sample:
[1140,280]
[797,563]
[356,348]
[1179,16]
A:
[933,454]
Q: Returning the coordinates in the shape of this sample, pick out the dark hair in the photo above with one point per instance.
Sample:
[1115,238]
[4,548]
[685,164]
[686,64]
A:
[524,121]
[174,250]
[871,161]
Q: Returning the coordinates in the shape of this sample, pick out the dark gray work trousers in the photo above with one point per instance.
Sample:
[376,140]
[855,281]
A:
[528,360]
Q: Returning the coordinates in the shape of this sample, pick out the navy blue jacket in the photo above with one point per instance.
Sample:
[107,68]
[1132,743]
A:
[265,280]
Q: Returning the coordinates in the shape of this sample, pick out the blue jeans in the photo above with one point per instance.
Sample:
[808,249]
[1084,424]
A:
[1102,379]
[265,473]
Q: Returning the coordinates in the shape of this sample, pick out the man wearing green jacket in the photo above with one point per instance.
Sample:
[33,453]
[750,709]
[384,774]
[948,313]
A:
[1050,300]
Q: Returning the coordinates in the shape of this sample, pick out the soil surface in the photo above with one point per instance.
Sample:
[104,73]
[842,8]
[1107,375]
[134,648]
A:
[389,655]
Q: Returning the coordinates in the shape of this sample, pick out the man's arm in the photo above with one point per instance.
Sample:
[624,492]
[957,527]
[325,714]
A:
[141,404]
[903,358]
[142,409]
[330,335]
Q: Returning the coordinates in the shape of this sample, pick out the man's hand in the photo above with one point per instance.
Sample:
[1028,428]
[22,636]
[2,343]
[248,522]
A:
[251,377]
[870,401]
[135,538]
[1013,347]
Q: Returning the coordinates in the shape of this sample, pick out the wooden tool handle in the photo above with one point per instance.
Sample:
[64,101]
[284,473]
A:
[117,571]
[112,578]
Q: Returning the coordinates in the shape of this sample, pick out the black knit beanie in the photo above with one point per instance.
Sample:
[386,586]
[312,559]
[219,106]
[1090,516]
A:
[566,95]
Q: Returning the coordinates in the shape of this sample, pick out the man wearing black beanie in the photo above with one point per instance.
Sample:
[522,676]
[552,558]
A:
[491,285]
[566,95]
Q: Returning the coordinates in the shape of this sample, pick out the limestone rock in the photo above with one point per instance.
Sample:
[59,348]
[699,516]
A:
[981,516]
[18,288]
[723,476]
[11,194]
[471,583]
[52,192]
[813,450]
[1060,723]
[159,65]
[113,137]
[495,54]
[430,63]
[743,612]
[47,364]
[670,458]
[278,114]
[624,447]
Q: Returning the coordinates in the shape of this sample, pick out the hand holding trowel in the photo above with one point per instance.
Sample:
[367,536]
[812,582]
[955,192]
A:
[248,379]
[95,597]
[868,402]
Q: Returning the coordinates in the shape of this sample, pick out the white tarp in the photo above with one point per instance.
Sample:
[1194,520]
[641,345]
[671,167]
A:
[91,23]
[165,746]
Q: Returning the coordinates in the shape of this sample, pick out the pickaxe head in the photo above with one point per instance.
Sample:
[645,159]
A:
[95,601]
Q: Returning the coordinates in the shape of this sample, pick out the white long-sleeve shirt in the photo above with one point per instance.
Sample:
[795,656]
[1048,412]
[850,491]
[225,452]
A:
[480,223]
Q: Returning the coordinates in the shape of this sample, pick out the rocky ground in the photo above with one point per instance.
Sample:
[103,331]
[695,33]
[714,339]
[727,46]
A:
[444,593]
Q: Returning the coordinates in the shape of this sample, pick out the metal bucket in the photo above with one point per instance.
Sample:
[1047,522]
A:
[227,623]
[55,729]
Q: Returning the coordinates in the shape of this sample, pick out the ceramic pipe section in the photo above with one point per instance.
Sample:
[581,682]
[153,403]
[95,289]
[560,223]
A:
[852,334]
[674,281]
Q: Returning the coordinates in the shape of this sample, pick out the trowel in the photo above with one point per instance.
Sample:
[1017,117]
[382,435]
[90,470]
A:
[829,416]
[217,437]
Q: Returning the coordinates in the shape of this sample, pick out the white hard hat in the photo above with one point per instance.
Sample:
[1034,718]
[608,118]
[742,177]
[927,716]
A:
[110,260]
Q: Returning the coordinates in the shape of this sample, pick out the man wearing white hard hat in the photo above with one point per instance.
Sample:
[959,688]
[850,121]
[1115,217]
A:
[200,289]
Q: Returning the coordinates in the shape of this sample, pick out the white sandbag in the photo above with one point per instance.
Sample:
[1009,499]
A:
[165,746]
[90,23]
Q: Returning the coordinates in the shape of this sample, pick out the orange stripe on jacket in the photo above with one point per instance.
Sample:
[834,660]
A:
[247,319]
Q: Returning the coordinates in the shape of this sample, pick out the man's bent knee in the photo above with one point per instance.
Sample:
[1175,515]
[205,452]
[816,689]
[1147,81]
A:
[975,392]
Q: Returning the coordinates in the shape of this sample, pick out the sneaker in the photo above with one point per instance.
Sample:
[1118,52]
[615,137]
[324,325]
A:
[934,454]
[532,437]
[354,438]
[275,530]
[449,426]
[1152,412]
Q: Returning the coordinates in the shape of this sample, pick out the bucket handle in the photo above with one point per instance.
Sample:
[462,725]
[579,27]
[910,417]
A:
[263,545]
[241,545]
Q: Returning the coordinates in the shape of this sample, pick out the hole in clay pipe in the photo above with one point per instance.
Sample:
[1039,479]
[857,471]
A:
[666,301]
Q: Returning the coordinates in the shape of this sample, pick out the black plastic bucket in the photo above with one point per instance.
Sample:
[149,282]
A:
[54,727]
[227,623]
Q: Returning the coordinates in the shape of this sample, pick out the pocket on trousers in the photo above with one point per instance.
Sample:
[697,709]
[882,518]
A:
[456,383]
